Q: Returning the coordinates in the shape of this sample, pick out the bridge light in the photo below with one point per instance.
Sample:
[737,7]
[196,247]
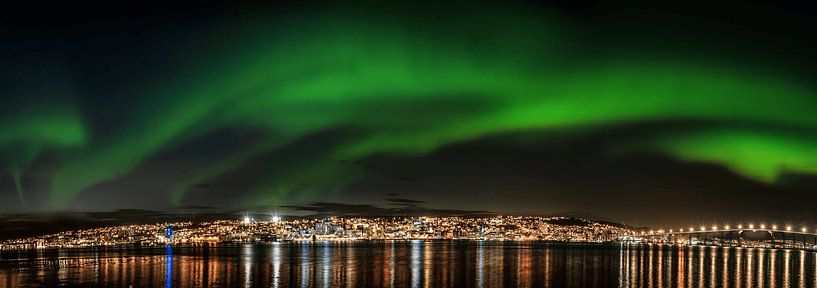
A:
[691,229]
[652,232]
[726,227]
[751,226]
[804,229]
[788,228]
[715,227]
[703,228]
[740,226]
[774,227]
[670,230]
[682,229]
[762,226]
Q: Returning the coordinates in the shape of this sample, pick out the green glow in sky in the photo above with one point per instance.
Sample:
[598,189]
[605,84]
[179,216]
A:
[404,90]
[33,130]
[762,156]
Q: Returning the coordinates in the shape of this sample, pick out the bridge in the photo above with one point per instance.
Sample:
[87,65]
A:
[761,236]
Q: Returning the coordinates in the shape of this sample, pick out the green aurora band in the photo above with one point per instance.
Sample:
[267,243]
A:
[406,91]
[34,130]
[757,155]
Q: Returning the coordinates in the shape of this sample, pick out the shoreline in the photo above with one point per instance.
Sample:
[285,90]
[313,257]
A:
[322,242]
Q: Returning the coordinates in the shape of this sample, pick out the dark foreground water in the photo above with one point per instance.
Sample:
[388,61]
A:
[412,264]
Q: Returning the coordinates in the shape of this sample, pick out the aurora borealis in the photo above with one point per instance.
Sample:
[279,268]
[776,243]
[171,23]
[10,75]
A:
[290,103]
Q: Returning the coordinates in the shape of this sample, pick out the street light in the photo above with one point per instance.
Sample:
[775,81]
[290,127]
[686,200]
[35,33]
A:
[788,228]
[804,229]
[751,226]
[740,226]
[726,227]
[762,226]
[703,228]
[774,227]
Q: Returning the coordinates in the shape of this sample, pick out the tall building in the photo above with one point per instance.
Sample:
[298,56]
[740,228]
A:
[325,228]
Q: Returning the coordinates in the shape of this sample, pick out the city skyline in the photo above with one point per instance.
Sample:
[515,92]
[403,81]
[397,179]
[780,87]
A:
[274,228]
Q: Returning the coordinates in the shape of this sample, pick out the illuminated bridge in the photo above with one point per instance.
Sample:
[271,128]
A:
[766,236]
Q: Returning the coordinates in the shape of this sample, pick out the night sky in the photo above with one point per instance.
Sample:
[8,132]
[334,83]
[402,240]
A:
[639,114]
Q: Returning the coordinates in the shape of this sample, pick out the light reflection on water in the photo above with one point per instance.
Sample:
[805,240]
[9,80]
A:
[168,266]
[413,264]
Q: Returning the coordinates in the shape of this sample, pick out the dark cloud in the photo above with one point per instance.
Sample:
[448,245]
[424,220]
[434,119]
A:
[373,210]
[406,201]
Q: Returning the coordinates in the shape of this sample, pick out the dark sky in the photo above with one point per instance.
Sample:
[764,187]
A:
[641,114]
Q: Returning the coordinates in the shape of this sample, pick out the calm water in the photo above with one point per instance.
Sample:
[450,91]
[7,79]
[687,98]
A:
[413,264]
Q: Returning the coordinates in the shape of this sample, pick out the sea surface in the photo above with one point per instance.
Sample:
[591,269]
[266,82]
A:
[412,264]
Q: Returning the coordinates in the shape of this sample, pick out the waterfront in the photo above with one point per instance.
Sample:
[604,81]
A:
[248,230]
[413,264]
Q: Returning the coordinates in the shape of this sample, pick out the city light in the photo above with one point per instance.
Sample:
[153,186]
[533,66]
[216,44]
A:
[762,226]
[509,228]
[246,230]
[740,226]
